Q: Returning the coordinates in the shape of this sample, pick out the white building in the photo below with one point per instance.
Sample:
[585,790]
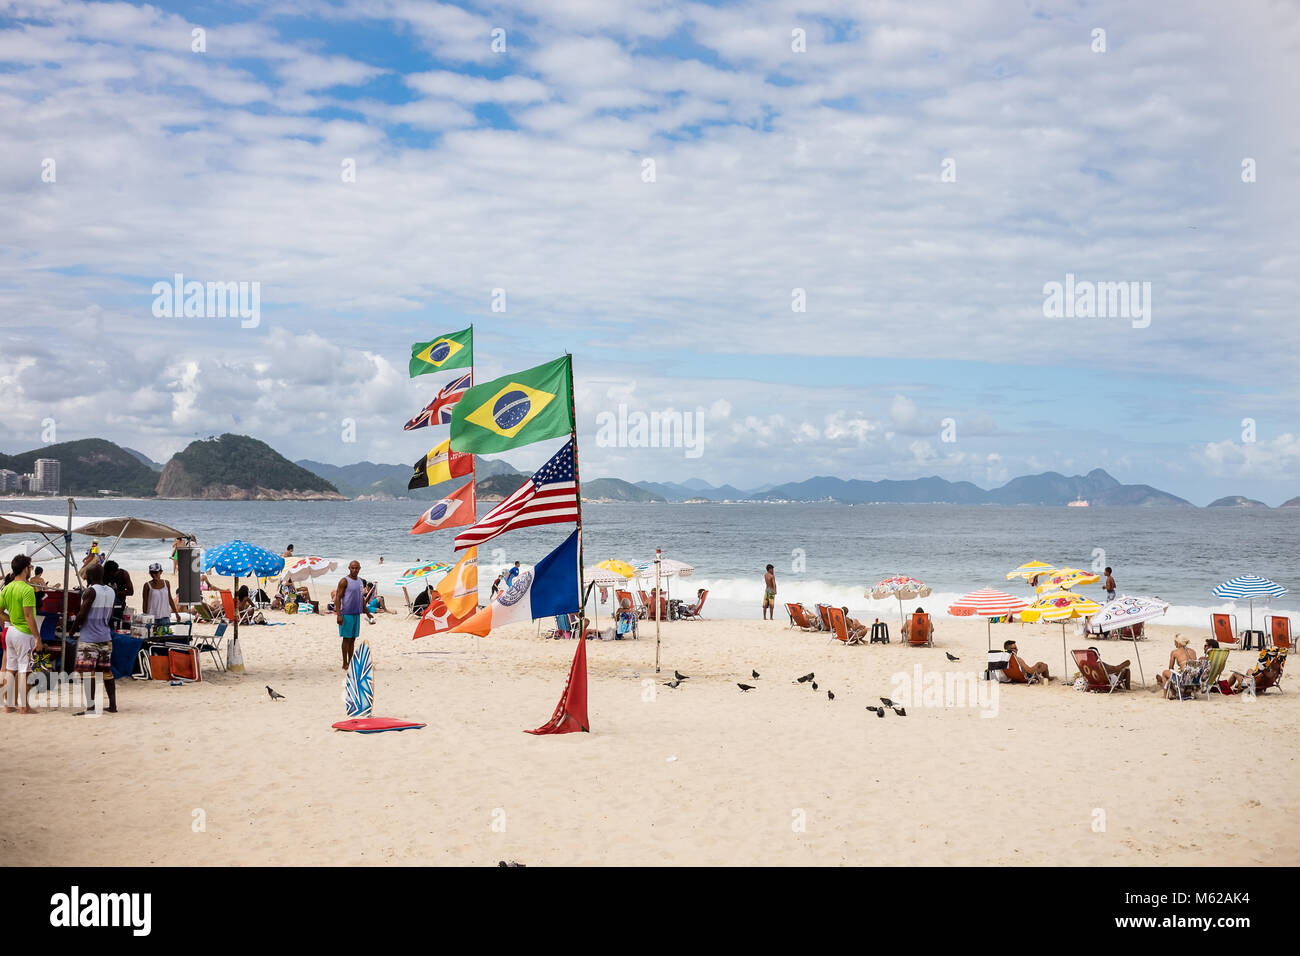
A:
[45,479]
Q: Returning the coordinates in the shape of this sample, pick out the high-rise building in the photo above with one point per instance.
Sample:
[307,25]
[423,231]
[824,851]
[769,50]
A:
[46,476]
[8,480]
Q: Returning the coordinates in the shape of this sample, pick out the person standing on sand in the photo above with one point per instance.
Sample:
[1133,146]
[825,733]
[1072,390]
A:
[769,593]
[347,609]
[22,636]
[1109,584]
[95,638]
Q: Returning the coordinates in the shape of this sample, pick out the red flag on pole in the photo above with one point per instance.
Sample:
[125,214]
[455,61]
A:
[571,712]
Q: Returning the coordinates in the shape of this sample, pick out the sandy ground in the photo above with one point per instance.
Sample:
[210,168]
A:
[216,773]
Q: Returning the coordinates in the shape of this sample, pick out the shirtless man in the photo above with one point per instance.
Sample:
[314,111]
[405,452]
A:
[1120,670]
[769,594]
[1029,670]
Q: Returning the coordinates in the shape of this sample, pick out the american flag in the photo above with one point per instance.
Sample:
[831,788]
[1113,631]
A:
[549,497]
[438,411]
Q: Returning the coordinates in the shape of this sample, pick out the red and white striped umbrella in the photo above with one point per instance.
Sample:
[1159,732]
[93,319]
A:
[987,603]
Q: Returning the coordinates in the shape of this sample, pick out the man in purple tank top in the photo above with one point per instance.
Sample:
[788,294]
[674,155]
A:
[347,609]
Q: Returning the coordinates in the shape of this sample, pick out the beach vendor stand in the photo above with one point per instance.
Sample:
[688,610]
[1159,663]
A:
[57,534]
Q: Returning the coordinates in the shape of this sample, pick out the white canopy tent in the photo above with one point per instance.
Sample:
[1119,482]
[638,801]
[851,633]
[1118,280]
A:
[52,528]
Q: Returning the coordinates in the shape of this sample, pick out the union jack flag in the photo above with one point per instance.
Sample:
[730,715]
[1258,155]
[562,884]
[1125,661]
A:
[438,411]
[549,497]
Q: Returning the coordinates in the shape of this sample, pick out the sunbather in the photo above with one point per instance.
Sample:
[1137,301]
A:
[1029,670]
[1267,658]
[1120,670]
[857,630]
[248,613]
[1179,657]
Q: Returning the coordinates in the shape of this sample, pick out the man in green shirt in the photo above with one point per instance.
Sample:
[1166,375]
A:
[22,637]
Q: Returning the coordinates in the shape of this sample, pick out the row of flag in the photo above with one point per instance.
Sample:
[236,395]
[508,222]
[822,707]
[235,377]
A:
[508,412]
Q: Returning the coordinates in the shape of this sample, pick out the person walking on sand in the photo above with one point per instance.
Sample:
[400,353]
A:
[1109,585]
[157,596]
[769,593]
[496,586]
[95,637]
[22,636]
[347,609]
[512,574]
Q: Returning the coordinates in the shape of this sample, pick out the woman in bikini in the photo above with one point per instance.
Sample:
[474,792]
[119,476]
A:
[1179,657]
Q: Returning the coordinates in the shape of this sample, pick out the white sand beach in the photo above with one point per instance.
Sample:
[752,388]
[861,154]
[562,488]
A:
[216,773]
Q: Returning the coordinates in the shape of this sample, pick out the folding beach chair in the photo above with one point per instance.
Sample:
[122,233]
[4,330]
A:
[213,645]
[1270,676]
[643,605]
[410,605]
[799,617]
[823,610]
[693,613]
[1223,628]
[1015,673]
[921,632]
[1278,628]
[1090,667]
[839,629]
[227,605]
[1215,661]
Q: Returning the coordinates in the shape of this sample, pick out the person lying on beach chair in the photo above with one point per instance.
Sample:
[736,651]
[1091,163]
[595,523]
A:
[248,613]
[800,618]
[693,613]
[1099,676]
[1266,673]
[1020,672]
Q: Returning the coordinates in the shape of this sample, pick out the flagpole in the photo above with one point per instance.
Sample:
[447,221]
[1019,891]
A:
[577,494]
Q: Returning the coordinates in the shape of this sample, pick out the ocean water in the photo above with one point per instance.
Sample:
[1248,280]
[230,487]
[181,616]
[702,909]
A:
[821,552]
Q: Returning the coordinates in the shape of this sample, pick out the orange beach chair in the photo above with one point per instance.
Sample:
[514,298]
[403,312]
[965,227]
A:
[921,632]
[799,617]
[1279,630]
[1224,630]
[1090,667]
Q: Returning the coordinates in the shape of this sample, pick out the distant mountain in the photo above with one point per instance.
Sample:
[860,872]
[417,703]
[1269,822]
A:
[143,458]
[1237,501]
[1290,503]
[692,490]
[239,468]
[616,489]
[369,478]
[88,465]
[1049,488]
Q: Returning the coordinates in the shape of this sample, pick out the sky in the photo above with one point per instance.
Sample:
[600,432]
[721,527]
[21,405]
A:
[818,235]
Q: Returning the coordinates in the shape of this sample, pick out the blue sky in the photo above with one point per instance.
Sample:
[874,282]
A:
[785,165]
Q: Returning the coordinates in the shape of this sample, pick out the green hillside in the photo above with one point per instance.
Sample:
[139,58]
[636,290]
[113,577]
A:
[234,466]
[89,464]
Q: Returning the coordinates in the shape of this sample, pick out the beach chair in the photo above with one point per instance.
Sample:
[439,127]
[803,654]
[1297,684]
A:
[823,610]
[1271,676]
[410,605]
[227,605]
[1223,628]
[1090,667]
[643,605]
[799,617]
[621,596]
[839,629]
[1015,673]
[1214,664]
[213,646]
[1278,628]
[562,629]
[921,632]
[693,613]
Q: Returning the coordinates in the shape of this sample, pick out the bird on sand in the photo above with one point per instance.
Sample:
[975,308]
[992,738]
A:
[680,676]
[900,711]
[672,683]
[814,685]
[745,687]
[805,679]
[951,658]
[887,702]
[753,674]
[274,695]
[830,695]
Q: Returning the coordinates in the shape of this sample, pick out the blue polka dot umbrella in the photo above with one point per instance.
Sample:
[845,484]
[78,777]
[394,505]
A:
[239,559]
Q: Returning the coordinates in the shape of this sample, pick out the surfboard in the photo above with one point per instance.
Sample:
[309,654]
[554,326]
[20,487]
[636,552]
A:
[359,685]
[376,725]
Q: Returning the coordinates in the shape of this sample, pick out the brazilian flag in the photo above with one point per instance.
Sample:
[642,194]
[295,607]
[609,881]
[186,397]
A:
[514,410]
[453,350]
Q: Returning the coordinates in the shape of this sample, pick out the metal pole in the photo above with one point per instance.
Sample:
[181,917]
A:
[658,557]
[63,620]
[577,493]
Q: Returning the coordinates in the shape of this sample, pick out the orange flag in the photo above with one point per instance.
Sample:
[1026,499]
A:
[454,600]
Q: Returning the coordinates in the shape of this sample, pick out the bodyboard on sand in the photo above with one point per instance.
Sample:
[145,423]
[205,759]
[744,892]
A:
[359,685]
[376,725]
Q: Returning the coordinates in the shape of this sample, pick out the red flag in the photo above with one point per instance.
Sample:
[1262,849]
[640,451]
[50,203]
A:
[451,512]
[571,712]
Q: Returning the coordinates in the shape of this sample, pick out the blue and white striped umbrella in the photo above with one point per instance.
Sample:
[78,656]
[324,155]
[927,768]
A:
[1247,587]
[239,559]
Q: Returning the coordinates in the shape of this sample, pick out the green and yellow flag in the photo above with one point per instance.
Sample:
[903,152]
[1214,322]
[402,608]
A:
[453,350]
[514,410]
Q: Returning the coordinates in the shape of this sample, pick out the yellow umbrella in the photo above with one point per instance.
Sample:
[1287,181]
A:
[1059,607]
[1066,578]
[1030,569]
[621,568]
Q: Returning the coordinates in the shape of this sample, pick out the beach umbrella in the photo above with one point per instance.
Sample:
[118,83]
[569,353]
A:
[422,573]
[667,568]
[621,568]
[1030,570]
[900,586]
[1247,587]
[603,578]
[1059,607]
[1125,612]
[239,559]
[986,603]
[1066,578]
[307,568]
